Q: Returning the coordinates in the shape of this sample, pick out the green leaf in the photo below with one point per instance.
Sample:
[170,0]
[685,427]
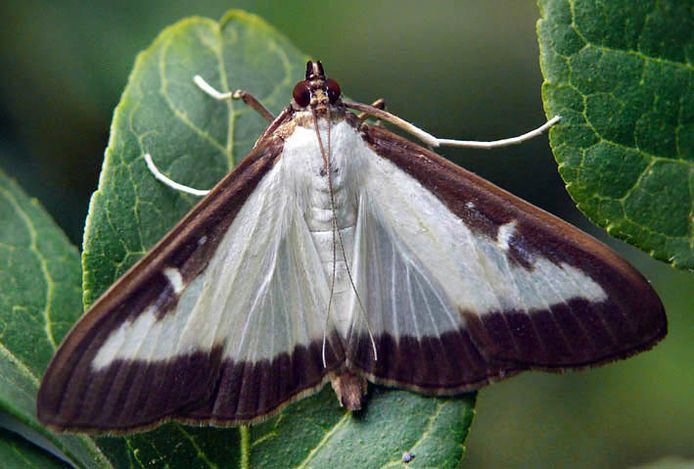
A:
[196,140]
[16,452]
[620,74]
[316,432]
[39,301]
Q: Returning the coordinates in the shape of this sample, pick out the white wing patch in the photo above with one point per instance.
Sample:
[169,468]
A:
[399,292]
[417,264]
[263,292]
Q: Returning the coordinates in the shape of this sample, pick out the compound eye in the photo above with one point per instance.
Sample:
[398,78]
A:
[333,90]
[302,94]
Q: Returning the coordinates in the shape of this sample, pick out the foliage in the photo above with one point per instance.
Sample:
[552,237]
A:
[39,300]
[620,74]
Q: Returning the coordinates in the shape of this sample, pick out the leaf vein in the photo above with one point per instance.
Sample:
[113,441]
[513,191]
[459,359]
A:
[4,351]
[33,246]
[224,79]
[200,453]
[329,434]
[638,53]
[181,115]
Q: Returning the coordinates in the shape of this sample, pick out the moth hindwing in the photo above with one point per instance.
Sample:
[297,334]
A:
[340,251]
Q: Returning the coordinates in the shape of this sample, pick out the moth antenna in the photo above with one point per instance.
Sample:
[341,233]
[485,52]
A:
[325,363]
[379,103]
[337,236]
[170,182]
[433,141]
[326,165]
[356,293]
[330,299]
[336,231]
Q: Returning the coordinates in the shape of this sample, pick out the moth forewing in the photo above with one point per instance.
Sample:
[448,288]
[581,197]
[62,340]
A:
[530,290]
[340,251]
[81,377]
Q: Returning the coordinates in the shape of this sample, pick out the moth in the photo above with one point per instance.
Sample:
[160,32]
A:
[339,251]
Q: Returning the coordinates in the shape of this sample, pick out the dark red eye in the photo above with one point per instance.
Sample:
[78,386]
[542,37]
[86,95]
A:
[333,90]
[302,94]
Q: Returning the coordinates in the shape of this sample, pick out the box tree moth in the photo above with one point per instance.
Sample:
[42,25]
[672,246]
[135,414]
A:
[339,251]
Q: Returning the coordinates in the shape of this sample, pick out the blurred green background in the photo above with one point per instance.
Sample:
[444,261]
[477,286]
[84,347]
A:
[458,69]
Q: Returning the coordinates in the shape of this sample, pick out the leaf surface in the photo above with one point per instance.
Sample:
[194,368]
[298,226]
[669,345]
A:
[16,452]
[39,301]
[620,74]
[195,140]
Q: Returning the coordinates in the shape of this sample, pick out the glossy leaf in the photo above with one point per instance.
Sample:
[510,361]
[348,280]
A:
[16,452]
[196,140]
[620,74]
[39,300]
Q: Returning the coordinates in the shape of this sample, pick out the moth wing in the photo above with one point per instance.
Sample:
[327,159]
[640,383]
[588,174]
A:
[221,322]
[463,283]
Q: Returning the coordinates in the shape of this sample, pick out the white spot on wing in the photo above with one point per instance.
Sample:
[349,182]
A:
[505,233]
[175,279]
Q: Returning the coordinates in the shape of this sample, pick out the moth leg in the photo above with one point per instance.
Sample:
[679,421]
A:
[380,103]
[251,101]
[433,141]
[244,96]
[170,182]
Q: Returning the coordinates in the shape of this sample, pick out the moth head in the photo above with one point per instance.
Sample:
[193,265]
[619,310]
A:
[316,90]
